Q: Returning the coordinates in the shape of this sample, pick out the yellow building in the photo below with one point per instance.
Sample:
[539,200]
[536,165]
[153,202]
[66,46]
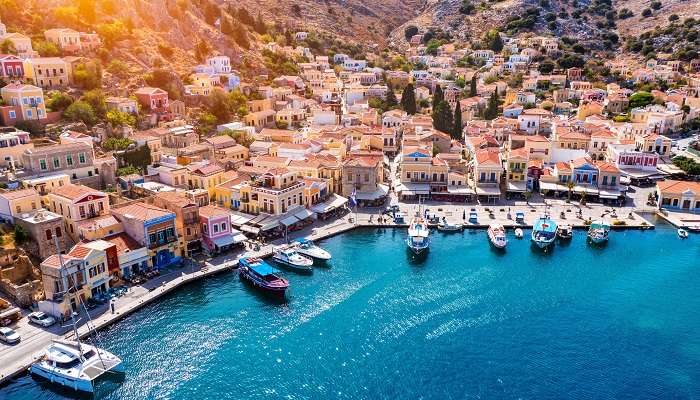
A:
[48,72]
[16,202]
[206,177]
[77,203]
[274,192]
[26,103]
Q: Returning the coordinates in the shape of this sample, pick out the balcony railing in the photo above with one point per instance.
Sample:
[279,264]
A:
[159,243]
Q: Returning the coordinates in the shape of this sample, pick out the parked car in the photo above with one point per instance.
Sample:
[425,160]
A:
[41,319]
[9,336]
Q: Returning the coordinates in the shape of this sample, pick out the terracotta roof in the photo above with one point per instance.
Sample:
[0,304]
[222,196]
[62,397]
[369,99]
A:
[362,161]
[607,167]
[486,157]
[123,242]
[208,170]
[179,199]
[140,211]
[223,139]
[74,192]
[212,211]
[18,194]
[677,187]
[79,251]
[563,166]
[520,152]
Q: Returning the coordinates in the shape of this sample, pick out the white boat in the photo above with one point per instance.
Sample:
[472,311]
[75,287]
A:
[519,233]
[418,235]
[497,236]
[565,231]
[75,365]
[449,227]
[308,248]
[598,232]
[544,232]
[682,233]
[289,257]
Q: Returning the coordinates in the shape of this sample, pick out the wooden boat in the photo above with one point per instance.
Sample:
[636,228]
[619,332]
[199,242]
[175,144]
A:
[261,275]
[544,232]
[565,232]
[682,233]
[497,236]
[598,232]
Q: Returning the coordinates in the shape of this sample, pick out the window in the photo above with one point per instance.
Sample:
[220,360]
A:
[152,238]
[42,164]
[12,114]
[223,226]
[19,209]
[48,234]
[81,158]
[216,228]
[56,162]
[82,211]
[69,160]
[58,231]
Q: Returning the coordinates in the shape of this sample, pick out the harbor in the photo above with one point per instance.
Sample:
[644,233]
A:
[350,315]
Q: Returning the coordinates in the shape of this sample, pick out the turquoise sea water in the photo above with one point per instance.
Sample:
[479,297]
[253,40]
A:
[621,321]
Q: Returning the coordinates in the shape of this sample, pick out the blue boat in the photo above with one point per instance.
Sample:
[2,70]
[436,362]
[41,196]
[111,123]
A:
[418,239]
[262,275]
[544,232]
[598,232]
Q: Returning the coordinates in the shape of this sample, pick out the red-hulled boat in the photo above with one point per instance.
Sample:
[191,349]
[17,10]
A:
[261,275]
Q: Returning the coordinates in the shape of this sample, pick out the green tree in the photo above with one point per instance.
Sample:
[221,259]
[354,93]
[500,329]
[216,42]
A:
[59,101]
[86,10]
[410,31]
[390,101]
[88,75]
[442,117]
[206,123]
[118,118]
[46,48]
[472,86]
[492,107]
[641,99]
[128,170]
[112,32]
[438,96]
[139,157]
[219,104]
[408,99]
[493,41]
[7,47]
[81,111]
[118,68]
[241,137]
[238,102]
[201,51]
[456,132]
[116,143]
[96,99]
[19,235]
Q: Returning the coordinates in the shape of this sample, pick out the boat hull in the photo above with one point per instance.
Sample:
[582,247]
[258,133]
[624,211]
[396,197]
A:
[314,255]
[80,385]
[418,249]
[597,239]
[292,266]
[260,284]
[542,244]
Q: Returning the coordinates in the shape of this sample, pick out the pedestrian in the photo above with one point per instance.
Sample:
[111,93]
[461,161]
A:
[111,304]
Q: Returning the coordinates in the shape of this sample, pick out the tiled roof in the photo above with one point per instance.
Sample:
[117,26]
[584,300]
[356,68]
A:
[208,170]
[141,211]
[73,192]
[486,157]
[672,186]
[123,242]
[18,194]
[212,211]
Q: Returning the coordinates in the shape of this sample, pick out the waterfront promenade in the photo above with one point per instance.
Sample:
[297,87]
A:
[18,358]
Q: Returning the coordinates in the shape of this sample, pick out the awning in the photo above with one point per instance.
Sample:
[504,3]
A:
[250,229]
[585,189]
[290,220]
[270,223]
[10,312]
[459,190]
[516,187]
[239,219]
[382,191]
[609,194]
[488,191]
[303,214]
[223,241]
[238,237]
[333,202]
[552,186]
[414,188]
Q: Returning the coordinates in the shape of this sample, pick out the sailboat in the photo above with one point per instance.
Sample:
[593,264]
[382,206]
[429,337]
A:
[73,364]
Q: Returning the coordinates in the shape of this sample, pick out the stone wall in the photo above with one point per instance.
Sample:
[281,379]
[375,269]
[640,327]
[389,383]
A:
[19,280]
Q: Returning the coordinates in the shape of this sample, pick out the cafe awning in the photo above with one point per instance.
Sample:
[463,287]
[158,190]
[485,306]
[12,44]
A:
[303,214]
[518,187]
[460,190]
[488,191]
[222,241]
[250,229]
[333,202]
[609,193]
[552,186]
[409,189]
[381,191]
[289,220]
[239,219]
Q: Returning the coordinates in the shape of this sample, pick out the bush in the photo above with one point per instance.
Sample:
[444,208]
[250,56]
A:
[656,5]
[20,235]
[625,13]
[646,13]
[410,31]
[81,111]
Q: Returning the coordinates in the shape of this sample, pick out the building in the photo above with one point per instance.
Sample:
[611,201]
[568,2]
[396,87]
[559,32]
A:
[363,175]
[22,103]
[14,203]
[678,195]
[153,99]
[186,218]
[217,235]
[45,230]
[75,159]
[273,192]
[68,40]
[77,203]
[48,72]
[13,142]
[486,174]
[205,177]
[154,228]
[123,104]
[132,257]
[11,67]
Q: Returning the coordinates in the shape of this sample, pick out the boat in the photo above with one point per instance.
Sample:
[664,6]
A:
[449,227]
[693,228]
[544,232]
[519,233]
[75,365]
[682,233]
[497,236]
[306,247]
[289,257]
[565,232]
[598,232]
[418,239]
[262,275]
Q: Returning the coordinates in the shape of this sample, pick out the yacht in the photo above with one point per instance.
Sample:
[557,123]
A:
[497,236]
[598,232]
[418,235]
[261,275]
[307,248]
[449,227]
[75,365]
[544,232]
[289,257]
[565,232]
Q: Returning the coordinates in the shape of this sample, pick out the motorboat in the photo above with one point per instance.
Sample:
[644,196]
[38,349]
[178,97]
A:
[75,365]
[289,257]
[497,236]
[682,233]
[418,239]
[262,275]
[449,227]
[307,248]
[544,232]
[565,232]
[519,233]
[473,217]
[693,228]
[598,232]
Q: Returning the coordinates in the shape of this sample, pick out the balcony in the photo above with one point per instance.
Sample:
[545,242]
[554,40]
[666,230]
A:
[159,243]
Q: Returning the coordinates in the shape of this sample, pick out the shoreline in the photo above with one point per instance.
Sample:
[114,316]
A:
[108,319]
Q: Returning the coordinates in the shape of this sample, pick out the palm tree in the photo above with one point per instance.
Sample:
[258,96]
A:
[570,185]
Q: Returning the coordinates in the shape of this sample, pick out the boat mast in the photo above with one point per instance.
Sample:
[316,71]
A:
[72,314]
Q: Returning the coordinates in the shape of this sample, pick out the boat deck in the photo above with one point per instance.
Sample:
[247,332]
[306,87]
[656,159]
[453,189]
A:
[95,371]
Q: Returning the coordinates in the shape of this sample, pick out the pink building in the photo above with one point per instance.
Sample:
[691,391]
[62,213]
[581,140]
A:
[11,66]
[217,235]
[155,99]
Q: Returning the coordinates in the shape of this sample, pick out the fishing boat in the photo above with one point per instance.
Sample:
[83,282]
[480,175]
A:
[418,235]
[449,227]
[262,275]
[497,236]
[565,232]
[598,232]
[289,257]
[682,233]
[544,232]
[75,365]
[519,233]
[308,248]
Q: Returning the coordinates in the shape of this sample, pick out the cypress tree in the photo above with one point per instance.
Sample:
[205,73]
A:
[457,126]
[492,107]
[408,99]
[442,117]
[472,86]
[438,96]
[391,101]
